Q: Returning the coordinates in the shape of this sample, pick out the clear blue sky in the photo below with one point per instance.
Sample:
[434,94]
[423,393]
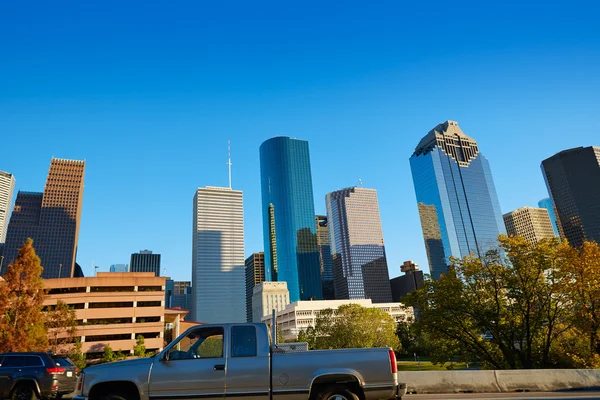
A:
[149,92]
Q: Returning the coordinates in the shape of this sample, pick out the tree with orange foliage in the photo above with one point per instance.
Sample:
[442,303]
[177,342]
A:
[582,274]
[21,297]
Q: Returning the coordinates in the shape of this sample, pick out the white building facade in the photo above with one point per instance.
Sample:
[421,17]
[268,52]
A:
[301,315]
[218,277]
[269,296]
[7,188]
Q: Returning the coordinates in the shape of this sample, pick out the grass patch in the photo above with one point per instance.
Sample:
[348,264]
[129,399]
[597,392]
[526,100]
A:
[428,366]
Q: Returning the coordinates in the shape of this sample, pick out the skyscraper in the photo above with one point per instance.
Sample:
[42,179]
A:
[145,261]
[456,196]
[7,187]
[51,219]
[325,257]
[359,263]
[531,223]
[255,274]
[547,204]
[288,208]
[218,279]
[573,181]
[409,282]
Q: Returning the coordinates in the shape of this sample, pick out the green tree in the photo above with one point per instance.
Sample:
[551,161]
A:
[582,287]
[506,310]
[77,356]
[211,347]
[61,323]
[109,354]
[21,297]
[352,326]
[139,350]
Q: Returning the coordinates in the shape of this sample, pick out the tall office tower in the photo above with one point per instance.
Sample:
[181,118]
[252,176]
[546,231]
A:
[119,268]
[325,257]
[358,254]
[51,219]
[7,187]
[457,200]
[145,261]
[547,204]
[290,237]
[218,278]
[531,223]
[573,180]
[255,274]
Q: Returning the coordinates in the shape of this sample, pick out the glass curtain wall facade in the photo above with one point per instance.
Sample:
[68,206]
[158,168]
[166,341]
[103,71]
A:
[291,253]
[573,180]
[547,204]
[457,200]
[360,268]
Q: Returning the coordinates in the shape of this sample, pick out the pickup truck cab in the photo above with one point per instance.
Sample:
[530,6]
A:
[237,361]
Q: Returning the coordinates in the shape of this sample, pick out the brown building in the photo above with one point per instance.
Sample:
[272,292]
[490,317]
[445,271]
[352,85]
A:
[532,223]
[114,308]
[51,219]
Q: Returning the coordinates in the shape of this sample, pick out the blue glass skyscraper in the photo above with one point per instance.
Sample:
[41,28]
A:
[290,236]
[457,200]
[547,204]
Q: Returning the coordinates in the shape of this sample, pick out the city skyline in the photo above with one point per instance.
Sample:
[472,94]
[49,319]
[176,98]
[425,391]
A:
[151,112]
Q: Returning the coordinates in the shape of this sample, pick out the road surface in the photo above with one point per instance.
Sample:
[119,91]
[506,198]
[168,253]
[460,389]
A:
[571,395]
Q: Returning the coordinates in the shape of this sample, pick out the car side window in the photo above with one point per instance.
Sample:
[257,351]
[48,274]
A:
[243,341]
[199,343]
[13,361]
[33,361]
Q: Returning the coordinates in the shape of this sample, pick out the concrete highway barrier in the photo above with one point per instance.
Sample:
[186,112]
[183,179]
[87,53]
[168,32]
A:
[499,381]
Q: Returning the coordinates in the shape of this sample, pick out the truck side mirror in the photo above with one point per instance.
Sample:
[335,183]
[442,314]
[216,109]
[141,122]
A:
[164,357]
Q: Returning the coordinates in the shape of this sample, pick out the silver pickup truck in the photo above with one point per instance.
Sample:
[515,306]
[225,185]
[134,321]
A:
[237,361]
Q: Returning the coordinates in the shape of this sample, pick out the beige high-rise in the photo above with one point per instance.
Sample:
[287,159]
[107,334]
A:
[532,223]
[7,187]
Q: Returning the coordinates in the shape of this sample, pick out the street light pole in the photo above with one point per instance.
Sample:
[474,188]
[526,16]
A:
[59,270]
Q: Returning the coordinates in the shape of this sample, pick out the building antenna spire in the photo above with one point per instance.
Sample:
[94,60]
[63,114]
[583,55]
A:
[229,160]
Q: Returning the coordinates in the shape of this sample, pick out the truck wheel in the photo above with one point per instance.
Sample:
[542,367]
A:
[337,393]
[23,392]
[115,396]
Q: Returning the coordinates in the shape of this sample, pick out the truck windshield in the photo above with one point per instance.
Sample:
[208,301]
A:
[199,343]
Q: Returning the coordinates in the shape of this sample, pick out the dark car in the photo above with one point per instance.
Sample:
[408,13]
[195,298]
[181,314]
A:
[27,376]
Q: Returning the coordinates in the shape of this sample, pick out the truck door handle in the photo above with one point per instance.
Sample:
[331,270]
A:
[219,367]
